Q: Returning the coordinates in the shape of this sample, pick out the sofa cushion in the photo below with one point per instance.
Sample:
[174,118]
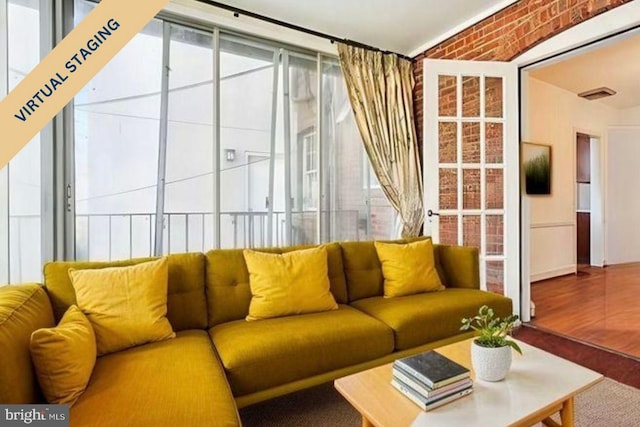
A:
[287,284]
[186,302]
[127,306]
[227,281]
[23,309]
[459,265]
[64,357]
[178,382]
[363,270]
[408,268]
[260,355]
[423,318]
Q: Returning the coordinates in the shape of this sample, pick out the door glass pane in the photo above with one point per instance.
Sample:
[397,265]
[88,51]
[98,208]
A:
[495,235]
[495,189]
[448,96]
[471,188]
[493,140]
[24,170]
[189,191]
[470,96]
[448,189]
[448,229]
[494,275]
[471,142]
[471,230]
[117,119]
[447,144]
[493,97]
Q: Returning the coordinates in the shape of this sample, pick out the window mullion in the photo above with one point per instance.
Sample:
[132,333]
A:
[4,172]
[47,147]
[64,154]
[272,150]
[162,143]
[287,148]
[216,139]
[319,135]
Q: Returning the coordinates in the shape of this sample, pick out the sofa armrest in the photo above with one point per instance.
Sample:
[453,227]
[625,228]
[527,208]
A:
[459,266]
[23,309]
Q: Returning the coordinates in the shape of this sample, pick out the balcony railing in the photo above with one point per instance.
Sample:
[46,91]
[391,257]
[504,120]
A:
[131,235]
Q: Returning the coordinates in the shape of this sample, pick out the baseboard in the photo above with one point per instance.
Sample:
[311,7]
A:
[567,269]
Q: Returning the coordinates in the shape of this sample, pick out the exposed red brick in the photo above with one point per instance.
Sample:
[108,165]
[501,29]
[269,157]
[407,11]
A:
[500,37]
[511,32]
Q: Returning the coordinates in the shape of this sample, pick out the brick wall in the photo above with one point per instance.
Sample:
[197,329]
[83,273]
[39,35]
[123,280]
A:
[500,37]
[509,33]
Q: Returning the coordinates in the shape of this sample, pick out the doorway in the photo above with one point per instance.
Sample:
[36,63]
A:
[583,201]
[589,193]
[574,231]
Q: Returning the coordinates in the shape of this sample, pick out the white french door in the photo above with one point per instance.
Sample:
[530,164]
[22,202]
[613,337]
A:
[471,158]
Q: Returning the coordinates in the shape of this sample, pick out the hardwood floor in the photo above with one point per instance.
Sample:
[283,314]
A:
[598,306]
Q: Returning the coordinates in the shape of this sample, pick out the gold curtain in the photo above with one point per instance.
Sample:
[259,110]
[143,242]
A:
[380,89]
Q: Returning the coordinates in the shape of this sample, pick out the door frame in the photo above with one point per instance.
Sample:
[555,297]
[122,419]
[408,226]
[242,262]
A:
[601,29]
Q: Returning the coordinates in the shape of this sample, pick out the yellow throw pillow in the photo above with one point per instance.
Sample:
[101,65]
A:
[127,306]
[64,357]
[295,282]
[408,268]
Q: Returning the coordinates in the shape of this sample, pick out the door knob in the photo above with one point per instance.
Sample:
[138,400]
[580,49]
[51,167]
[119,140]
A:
[431,213]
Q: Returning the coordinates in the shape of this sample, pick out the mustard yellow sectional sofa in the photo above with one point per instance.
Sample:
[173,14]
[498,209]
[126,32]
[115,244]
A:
[219,361]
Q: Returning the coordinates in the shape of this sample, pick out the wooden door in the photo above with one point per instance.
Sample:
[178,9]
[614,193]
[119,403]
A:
[583,158]
[583,214]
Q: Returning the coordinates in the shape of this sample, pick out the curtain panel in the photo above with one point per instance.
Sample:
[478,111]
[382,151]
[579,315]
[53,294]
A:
[380,89]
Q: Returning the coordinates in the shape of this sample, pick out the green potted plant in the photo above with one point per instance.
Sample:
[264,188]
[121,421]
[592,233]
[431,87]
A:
[491,349]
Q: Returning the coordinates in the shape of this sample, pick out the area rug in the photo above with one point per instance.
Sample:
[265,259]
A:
[617,366]
[608,403]
[611,402]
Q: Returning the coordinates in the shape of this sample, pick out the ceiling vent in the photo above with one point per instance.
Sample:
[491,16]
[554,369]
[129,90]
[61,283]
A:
[601,92]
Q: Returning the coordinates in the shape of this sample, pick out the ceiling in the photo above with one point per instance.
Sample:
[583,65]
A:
[402,26]
[614,65]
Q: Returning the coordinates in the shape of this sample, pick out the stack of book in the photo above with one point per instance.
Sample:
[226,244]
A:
[431,379]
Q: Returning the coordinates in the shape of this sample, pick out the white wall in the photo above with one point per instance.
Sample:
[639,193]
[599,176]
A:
[623,207]
[629,117]
[554,117]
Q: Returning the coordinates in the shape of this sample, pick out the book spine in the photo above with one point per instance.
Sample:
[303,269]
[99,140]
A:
[426,381]
[451,380]
[408,369]
[405,391]
[448,399]
[428,392]
[427,406]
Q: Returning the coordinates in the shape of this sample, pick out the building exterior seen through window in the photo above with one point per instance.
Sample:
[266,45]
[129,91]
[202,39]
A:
[188,140]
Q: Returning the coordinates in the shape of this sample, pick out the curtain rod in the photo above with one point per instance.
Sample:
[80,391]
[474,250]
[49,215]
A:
[237,12]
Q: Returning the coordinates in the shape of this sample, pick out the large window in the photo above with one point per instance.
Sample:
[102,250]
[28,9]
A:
[191,138]
[20,181]
[203,147]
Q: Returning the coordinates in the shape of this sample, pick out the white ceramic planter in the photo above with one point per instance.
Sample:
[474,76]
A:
[490,364]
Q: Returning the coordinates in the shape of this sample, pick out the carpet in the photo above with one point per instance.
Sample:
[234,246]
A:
[617,366]
[611,402]
[608,403]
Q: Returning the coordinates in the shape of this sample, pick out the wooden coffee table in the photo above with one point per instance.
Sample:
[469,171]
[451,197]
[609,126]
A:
[538,385]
